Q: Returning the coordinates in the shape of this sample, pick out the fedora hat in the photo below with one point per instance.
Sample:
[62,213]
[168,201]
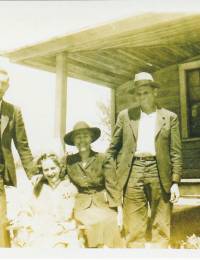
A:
[79,126]
[143,79]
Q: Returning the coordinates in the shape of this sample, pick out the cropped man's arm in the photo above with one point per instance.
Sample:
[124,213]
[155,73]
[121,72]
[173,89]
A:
[116,141]
[114,195]
[21,143]
[175,150]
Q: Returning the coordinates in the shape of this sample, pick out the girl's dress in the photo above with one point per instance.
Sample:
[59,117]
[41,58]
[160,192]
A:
[47,220]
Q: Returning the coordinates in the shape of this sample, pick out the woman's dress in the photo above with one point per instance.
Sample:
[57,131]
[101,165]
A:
[96,195]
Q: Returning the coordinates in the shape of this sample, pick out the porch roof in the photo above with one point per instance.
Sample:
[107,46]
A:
[111,53]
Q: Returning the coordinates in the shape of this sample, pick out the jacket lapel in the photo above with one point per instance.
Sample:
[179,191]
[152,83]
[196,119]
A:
[134,126]
[89,161]
[134,116]
[160,121]
[4,117]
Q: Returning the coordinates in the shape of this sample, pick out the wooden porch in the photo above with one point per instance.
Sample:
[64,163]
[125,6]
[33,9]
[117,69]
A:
[110,55]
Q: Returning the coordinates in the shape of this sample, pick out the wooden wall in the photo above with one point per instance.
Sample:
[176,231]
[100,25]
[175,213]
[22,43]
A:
[169,98]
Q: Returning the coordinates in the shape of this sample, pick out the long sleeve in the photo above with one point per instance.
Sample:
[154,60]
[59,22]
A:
[112,192]
[175,150]
[111,181]
[21,143]
[116,141]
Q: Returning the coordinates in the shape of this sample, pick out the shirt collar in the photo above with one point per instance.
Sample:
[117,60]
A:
[143,114]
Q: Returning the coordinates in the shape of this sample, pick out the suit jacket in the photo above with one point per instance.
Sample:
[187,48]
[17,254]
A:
[167,145]
[96,181]
[12,128]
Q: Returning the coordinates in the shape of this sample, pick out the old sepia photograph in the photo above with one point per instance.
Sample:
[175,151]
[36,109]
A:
[100,128]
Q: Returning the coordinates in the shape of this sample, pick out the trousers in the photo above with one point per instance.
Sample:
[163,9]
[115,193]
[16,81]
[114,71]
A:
[144,191]
[4,233]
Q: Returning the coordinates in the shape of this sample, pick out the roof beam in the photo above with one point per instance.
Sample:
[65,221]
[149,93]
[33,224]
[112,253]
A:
[96,72]
[166,33]
[99,72]
[76,71]
[95,38]
[161,32]
[98,62]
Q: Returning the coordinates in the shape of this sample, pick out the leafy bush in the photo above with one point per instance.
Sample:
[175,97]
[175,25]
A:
[191,242]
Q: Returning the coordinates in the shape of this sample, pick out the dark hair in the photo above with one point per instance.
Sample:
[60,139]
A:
[38,186]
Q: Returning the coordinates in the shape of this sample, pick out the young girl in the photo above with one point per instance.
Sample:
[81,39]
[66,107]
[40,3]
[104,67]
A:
[47,221]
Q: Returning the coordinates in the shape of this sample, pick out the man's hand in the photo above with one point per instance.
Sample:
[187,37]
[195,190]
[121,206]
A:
[120,217]
[175,193]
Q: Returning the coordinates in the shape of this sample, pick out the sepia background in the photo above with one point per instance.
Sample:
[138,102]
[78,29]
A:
[24,23]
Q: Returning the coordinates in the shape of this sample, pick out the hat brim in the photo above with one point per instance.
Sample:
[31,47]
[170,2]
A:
[142,84]
[69,137]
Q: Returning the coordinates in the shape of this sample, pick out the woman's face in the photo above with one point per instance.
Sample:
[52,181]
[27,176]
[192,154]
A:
[82,140]
[50,170]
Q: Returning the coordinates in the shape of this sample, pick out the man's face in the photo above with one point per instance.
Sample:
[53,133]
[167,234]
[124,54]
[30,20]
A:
[4,84]
[146,96]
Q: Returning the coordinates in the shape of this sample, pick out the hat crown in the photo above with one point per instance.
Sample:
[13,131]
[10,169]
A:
[81,125]
[143,76]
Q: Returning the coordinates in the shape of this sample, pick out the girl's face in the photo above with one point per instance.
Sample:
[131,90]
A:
[50,170]
[82,140]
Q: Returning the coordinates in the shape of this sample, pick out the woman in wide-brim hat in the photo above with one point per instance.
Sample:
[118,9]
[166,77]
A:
[96,186]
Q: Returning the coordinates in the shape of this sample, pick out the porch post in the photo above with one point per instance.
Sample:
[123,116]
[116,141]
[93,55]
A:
[61,99]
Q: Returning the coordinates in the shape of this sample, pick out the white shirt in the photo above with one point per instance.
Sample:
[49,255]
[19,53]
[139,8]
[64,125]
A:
[146,134]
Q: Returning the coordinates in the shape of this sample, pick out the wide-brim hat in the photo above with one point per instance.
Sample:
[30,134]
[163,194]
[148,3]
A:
[143,79]
[79,126]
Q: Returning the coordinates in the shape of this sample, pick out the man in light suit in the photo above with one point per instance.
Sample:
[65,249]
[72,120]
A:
[11,129]
[147,147]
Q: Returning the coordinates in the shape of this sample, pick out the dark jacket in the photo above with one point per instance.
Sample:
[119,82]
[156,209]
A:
[167,144]
[12,128]
[96,182]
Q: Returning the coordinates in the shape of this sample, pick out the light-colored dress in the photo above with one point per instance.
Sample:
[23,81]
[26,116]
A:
[47,220]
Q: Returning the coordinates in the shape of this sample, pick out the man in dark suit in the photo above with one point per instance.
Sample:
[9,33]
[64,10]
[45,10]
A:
[147,146]
[11,129]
